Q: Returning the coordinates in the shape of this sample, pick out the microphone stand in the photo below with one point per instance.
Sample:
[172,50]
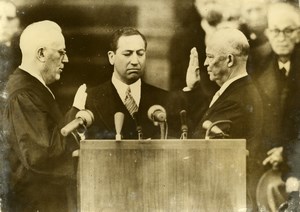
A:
[184,133]
[163,129]
[140,133]
[184,127]
[136,119]
[214,124]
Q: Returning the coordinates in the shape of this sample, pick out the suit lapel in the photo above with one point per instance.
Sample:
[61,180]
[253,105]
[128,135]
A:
[231,88]
[107,103]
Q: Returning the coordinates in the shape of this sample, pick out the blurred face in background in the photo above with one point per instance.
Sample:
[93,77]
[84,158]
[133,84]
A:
[129,58]
[254,15]
[210,10]
[9,23]
[283,31]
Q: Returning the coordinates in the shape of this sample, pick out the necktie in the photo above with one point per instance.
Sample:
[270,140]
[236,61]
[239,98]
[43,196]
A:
[130,103]
[215,97]
[283,72]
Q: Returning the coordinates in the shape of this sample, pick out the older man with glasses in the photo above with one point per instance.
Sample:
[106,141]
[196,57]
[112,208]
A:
[278,80]
[39,158]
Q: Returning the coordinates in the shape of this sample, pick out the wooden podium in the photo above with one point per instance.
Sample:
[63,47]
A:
[163,175]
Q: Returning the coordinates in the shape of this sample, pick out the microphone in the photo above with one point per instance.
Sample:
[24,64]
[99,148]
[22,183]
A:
[119,120]
[84,118]
[138,126]
[157,113]
[207,124]
[184,127]
[211,127]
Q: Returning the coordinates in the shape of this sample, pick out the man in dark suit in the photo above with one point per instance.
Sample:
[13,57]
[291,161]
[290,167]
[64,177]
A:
[278,78]
[125,92]
[278,81]
[39,159]
[237,99]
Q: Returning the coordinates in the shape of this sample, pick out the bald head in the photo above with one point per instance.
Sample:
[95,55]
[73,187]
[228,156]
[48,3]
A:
[43,50]
[226,55]
[38,35]
[230,41]
[281,10]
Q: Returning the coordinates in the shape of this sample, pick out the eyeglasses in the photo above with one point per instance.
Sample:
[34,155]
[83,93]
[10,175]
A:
[287,32]
[7,18]
[62,52]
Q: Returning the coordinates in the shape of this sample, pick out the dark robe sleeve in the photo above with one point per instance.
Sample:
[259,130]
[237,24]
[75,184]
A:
[35,140]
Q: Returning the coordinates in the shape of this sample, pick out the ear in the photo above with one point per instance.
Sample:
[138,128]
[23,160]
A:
[230,60]
[40,54]
[111,57]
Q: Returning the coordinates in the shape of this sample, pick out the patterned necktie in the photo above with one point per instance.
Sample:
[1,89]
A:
[130,103]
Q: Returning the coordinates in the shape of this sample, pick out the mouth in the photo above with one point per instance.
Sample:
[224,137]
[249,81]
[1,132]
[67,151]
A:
[133,70]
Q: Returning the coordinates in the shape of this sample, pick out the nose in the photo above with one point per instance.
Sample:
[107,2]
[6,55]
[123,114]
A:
[134,59]
[65,59]
[281,36]
[206,62]
[3,21]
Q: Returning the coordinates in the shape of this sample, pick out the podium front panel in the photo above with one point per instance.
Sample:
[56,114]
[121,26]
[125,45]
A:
[163,175]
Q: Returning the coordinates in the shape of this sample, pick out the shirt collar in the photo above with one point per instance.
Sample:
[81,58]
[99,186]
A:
[38,77]
[229,82]
[286,65]
[121,88]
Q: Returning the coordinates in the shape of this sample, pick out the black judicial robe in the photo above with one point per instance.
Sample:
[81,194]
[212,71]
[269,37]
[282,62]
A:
[40,163]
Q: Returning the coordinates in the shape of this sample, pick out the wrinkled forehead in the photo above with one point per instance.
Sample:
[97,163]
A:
[283,15]
[206,2]
[283,20]
[7,9]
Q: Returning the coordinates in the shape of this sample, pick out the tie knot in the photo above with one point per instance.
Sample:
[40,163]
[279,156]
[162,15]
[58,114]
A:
[128,91]
[283,71]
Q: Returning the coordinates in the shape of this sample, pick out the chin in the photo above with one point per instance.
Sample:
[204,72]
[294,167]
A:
[212,78]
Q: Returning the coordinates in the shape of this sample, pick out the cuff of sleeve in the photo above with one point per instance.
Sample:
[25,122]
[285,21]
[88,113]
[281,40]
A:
[186,89]
[78,107]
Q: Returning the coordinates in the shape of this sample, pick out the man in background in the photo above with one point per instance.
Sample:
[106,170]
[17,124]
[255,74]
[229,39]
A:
[278,81]
[9,50]
[125,92]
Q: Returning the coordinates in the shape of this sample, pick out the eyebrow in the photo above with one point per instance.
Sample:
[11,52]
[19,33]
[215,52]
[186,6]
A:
[130,50]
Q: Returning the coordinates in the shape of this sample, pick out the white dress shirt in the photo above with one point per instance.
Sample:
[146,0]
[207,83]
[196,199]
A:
[286,66]
[121,88]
